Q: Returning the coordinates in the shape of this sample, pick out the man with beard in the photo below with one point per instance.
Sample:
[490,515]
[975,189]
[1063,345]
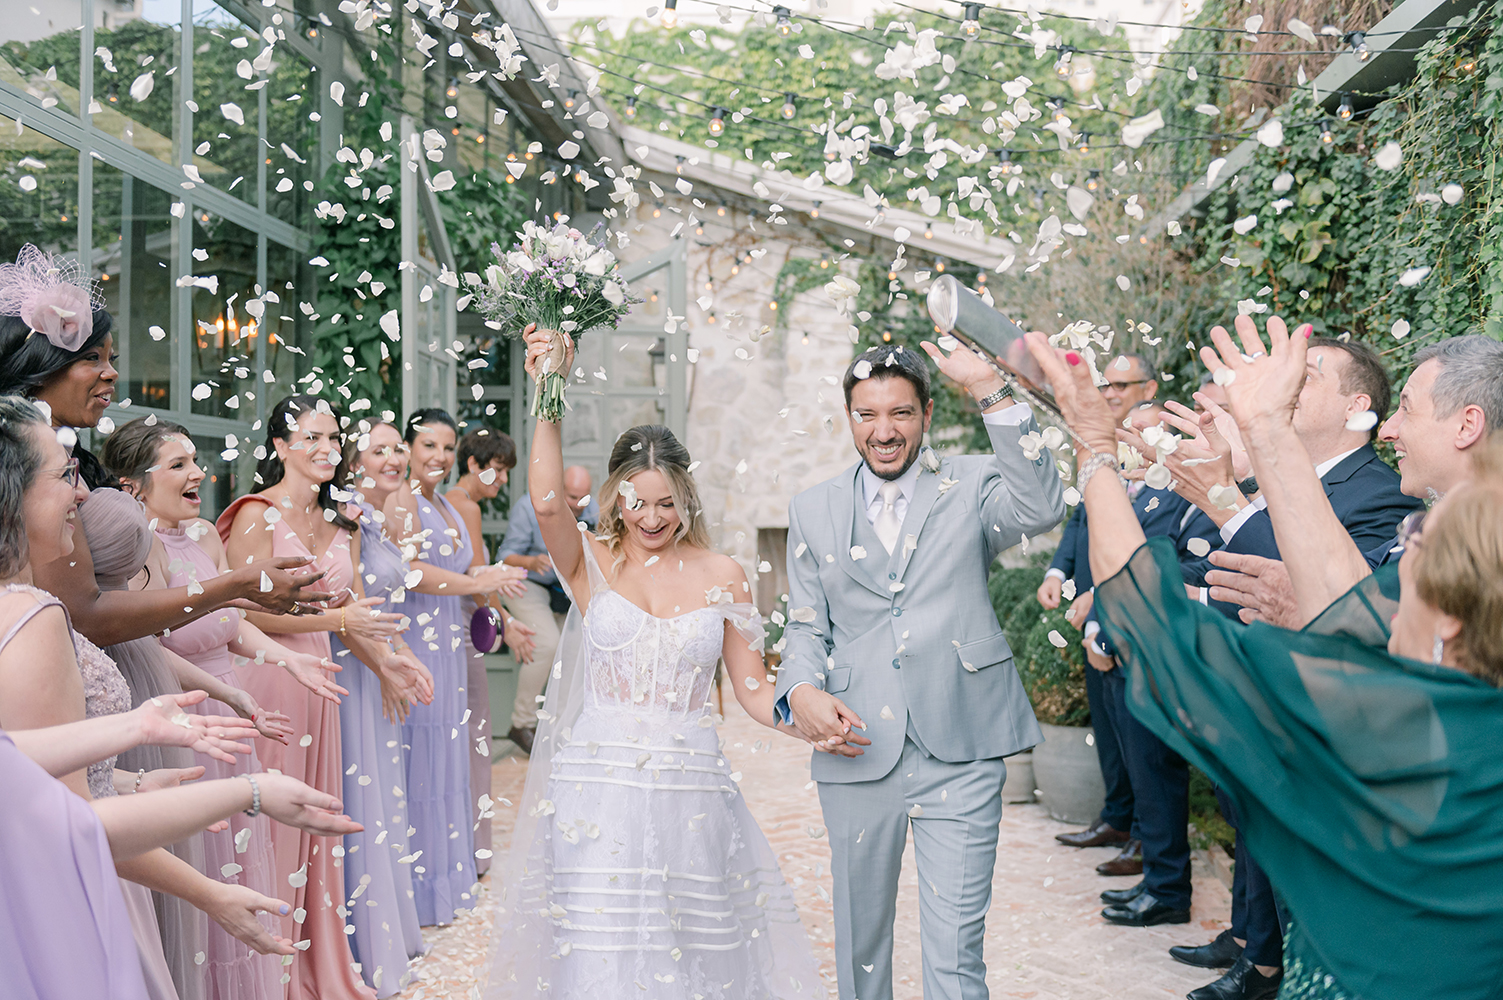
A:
[896,669]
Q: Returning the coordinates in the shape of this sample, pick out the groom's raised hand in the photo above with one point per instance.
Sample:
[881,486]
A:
[966,368]
[826,722]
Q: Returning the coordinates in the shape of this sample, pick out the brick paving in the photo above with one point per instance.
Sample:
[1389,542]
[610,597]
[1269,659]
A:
[1044,939]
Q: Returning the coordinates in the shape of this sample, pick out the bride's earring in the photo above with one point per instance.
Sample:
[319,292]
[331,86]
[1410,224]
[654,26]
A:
[1438,651]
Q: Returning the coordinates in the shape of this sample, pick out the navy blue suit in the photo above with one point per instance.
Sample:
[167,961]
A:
[1364,493]
[1073,558]
[1160,777]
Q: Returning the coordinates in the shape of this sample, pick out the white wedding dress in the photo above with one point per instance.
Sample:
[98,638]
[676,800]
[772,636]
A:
[636,870]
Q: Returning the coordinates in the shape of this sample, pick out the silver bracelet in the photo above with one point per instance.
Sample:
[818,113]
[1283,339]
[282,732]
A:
[1099,460]
[255,809]
[137,786]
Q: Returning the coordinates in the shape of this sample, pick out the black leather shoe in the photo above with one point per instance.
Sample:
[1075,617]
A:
[1128,862]
[522,738]
[1098,834]
[1221,953]
[1241,982]
[1119,897]
[1145,911]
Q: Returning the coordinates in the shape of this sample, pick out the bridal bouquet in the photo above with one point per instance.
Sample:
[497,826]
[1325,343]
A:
[563,280]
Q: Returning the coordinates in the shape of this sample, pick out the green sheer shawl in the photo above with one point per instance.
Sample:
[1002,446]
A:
[1371,787]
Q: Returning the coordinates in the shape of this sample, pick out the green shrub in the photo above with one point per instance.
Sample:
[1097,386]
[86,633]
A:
[1053,677]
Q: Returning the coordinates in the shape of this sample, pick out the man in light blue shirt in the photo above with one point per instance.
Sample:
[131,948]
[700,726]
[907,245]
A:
[543,607]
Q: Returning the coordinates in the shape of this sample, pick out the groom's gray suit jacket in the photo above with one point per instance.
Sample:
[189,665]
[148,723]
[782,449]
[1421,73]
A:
[911,642]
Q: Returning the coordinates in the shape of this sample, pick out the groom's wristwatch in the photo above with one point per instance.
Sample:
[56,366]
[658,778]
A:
[989,401]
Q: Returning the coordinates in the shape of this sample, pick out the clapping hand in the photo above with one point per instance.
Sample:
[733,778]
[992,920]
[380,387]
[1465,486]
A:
[164,723]
[1201,461]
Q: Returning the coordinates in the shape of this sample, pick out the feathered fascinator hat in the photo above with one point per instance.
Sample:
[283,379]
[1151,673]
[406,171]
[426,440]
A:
[52,295]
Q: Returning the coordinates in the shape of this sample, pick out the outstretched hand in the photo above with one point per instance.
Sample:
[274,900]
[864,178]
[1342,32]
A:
[966,367]
[164,723]
[1083,407]
[1263,386]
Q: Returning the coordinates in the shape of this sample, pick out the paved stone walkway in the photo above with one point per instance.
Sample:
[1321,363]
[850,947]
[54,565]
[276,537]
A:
[1044,940]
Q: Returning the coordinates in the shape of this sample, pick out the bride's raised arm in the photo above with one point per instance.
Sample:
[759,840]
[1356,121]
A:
[545,482]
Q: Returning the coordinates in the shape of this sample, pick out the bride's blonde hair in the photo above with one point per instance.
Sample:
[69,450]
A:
[643,448]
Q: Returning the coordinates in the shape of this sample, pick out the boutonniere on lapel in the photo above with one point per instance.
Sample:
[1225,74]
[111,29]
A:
[928,460]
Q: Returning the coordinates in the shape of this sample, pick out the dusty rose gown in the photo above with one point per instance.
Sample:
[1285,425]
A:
[234,971]
[309,876]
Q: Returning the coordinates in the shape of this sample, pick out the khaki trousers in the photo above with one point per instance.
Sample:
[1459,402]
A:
[535,612]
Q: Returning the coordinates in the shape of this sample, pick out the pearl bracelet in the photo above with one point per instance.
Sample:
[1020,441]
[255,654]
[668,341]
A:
[1099,460]
[255,809]
[139,776]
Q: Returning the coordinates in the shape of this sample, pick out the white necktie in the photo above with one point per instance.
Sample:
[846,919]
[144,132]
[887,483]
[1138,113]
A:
[888,526]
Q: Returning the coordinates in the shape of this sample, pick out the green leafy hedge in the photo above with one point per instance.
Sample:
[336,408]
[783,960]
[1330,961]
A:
[1054,678]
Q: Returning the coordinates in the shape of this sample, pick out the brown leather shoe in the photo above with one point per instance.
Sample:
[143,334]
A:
[1098,834]
[522,738]
[1129,862]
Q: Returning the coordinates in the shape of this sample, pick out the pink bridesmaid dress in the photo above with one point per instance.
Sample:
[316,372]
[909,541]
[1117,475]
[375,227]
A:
[310,877]
[234,971]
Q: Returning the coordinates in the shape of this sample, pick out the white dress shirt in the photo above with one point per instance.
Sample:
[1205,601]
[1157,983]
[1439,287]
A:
[1231,527]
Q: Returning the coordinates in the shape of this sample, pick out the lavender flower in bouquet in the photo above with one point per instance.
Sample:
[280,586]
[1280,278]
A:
[563,280]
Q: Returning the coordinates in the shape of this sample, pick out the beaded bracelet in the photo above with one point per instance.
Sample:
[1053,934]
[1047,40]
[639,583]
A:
[255,809]
[139,776]
[1099,460]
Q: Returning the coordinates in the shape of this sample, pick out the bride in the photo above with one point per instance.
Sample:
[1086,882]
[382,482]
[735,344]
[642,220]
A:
[635,867]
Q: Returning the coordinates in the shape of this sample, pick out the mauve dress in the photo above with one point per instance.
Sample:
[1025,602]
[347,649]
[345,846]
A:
[106,693]
[438,765]
[64,929]
[478,699]
[377,884]
[325,970]
[119,539]
[234,971]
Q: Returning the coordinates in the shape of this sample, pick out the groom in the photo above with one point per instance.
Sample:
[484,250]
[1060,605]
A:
[889,615]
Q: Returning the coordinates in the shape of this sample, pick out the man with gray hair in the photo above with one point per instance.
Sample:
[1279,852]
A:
[1452,400]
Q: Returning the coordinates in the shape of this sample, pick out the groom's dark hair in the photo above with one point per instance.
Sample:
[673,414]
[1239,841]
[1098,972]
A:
[890,361]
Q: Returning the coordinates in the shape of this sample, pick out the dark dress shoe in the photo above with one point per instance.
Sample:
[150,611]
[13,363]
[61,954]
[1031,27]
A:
[522,738]
[1145,911]
[1128,862]
[1221,953]
[1241,982]
[1098,834]
[1118,897]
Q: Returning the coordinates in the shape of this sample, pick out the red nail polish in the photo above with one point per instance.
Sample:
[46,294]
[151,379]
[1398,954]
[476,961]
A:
[1072,357]
[1309,329]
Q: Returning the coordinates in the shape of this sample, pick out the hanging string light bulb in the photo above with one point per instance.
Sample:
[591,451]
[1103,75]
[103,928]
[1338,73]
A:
[678,164]
[970,26]
[453,90]
[785,20]
[670,13]
[571,99]
[631,107]
[1345,111]
[720,209]
[789,108]
[1056,105]
[939,264]
[1085,143]
[1062,67]
[1358,42]
[717,121]
[1327,136]
[814,210]
[1093,180]
[928,232]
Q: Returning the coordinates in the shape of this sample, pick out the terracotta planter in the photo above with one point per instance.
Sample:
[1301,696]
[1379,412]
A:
[1019,785]
[1069,774]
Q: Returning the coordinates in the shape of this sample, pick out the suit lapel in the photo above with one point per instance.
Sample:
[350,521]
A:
[848,506]
[925,495]
[1347,467]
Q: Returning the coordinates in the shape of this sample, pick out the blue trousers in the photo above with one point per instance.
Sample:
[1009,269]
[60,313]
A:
[1257,917]
[1118,811]
[1161,794]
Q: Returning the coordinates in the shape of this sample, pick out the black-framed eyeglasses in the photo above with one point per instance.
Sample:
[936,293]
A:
[1123,386]
[70,473]
[1409,528]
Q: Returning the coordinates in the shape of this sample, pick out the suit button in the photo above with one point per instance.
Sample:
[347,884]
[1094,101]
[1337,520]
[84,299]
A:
[895,664]
[897,612]
[892,576]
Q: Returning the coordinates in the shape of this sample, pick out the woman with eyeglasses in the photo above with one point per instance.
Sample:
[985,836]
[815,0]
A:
[1361,751]
[50,675]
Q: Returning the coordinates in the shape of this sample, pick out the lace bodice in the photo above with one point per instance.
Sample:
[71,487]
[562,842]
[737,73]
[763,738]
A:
[656,664]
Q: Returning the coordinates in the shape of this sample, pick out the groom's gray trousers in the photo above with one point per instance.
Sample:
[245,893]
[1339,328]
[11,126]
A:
[954,810]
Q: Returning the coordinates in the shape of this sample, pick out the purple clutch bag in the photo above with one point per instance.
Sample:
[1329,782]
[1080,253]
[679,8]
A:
[487,629]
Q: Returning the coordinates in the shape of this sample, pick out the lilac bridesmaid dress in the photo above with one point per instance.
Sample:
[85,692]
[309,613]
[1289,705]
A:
[438,765]
[376,883]
[64,929]
[242,854]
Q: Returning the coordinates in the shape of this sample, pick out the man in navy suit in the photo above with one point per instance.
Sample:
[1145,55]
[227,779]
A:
[1129,384]
[1344,383]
